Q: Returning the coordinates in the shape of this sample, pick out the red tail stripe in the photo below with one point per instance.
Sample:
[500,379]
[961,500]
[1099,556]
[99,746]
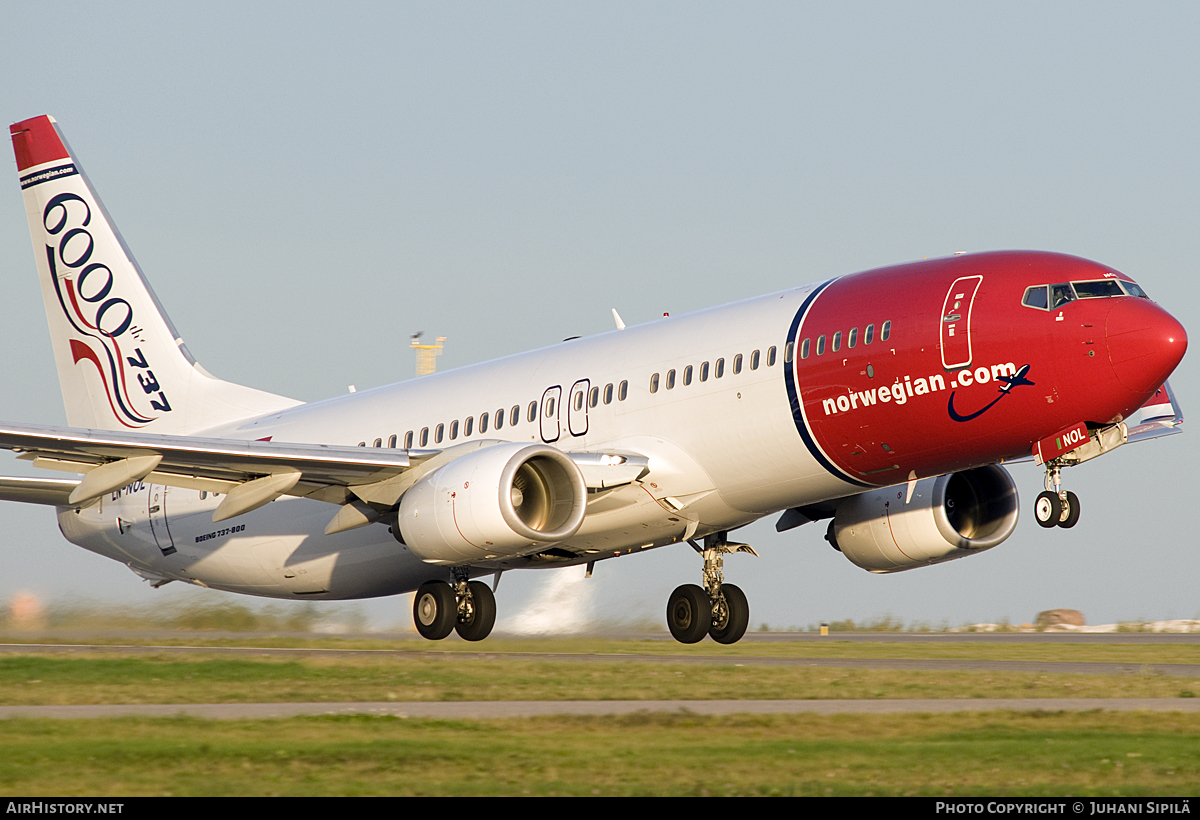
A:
[36,142]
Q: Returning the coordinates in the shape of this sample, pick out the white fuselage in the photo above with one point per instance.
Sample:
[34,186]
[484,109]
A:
[723,451]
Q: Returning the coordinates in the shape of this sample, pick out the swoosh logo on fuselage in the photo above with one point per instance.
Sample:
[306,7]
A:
[1016,380]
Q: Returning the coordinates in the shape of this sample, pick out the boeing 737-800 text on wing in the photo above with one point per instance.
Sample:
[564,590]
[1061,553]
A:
[883,401]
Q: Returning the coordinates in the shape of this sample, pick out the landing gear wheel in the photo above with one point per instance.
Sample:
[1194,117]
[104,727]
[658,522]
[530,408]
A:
[435,610]
[1047,509]
[481,613]
[689,613]
[1070,512]
[733,617]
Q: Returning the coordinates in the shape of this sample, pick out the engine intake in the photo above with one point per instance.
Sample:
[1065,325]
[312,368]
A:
[499,502]
[947,517]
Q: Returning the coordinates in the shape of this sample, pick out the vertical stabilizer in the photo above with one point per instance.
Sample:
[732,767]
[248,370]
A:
[121,365]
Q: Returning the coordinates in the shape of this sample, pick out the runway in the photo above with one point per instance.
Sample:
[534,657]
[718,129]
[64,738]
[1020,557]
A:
[518,709]
[1185,670]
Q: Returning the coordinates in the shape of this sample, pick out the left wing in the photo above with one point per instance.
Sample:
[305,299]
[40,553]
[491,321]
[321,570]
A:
[250,473]
[365,482]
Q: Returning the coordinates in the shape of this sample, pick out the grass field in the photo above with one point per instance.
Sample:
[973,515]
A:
[997,754]
[991,753]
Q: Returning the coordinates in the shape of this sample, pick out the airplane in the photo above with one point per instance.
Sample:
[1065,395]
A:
[885,401]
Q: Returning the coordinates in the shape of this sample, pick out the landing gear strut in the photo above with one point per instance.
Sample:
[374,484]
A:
[717,609]
[1056,507]
[468,607]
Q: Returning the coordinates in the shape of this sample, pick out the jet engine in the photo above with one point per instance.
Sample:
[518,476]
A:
[499,502]
[943,518]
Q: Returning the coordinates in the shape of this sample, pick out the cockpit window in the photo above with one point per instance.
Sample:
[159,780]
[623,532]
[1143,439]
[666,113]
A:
[1097,290]
[1060,294]
[1035,297]
[1050,297]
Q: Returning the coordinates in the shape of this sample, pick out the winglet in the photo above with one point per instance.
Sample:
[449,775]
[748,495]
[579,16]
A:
[1160,416]
[618,320]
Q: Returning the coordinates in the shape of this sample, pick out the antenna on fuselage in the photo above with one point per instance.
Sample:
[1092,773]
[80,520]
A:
[426,354]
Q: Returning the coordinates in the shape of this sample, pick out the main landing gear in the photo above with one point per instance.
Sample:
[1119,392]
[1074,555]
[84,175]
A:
[1056,507]
[467,607]
[717,609]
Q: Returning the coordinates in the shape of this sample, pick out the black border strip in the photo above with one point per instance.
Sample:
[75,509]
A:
[793,392]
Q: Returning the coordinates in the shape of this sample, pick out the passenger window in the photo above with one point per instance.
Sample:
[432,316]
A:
[821,345]
[500,419]
[408,440]
[654,383]
[670,379]
[392,441]
[532,413]
[804,349]
[549,408]
[704,372]
[837,341]
[754,360]
[869,336]
[437,433]
[594,397]
[579,401]
[454,430]
[771,356]
[853,340]
[469,426]
[885,331]
[687,375]
[378,442]
[483,420]
[623,391]
[608,393]
[720,368]
[737,364]
[362,444]
[424,436]
[514,415]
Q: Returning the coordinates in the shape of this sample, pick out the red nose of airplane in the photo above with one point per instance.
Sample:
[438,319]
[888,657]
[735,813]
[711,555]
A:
[1145,343]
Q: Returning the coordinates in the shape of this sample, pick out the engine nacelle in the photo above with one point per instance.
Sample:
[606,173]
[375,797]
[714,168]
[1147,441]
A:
[498,502]
[947,517]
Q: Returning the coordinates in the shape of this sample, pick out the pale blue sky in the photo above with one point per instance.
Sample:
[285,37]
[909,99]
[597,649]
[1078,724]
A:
[305,185]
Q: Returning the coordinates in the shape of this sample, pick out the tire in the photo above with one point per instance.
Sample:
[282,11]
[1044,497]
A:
[1070,513]
[435,610]
[737,616]
[483,613]
[1047,509]
[689,613]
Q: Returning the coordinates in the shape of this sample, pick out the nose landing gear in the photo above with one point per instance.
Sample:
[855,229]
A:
[1056,507]
[717,609]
